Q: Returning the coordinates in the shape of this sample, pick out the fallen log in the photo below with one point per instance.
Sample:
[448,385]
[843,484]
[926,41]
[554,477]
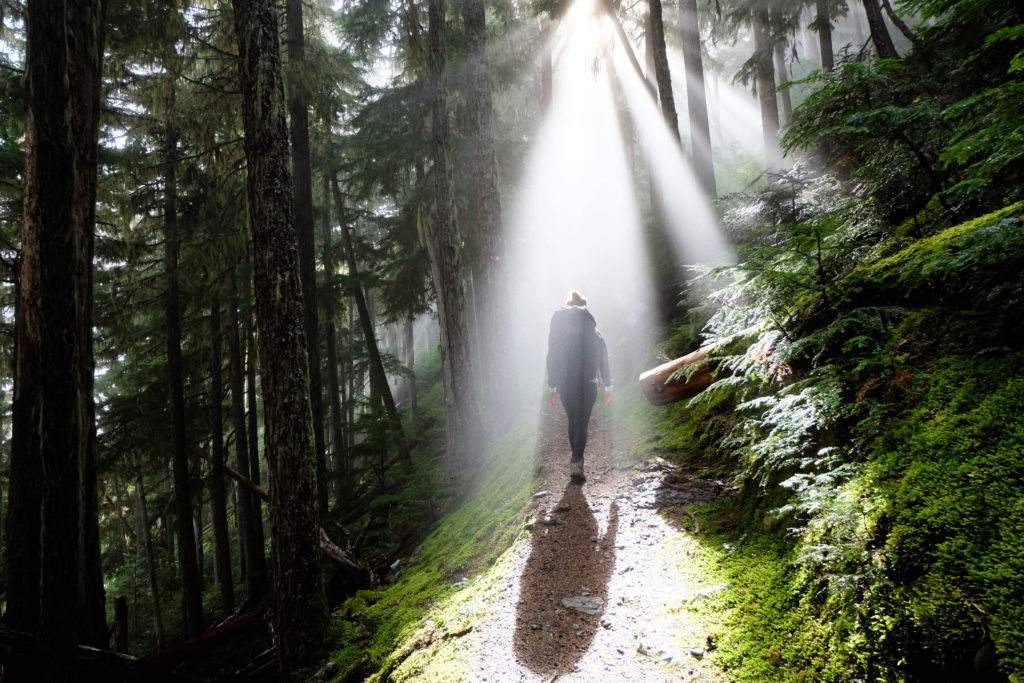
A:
[335,552]
[678,379]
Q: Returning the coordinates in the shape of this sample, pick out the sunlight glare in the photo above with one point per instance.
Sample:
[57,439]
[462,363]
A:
[574,223]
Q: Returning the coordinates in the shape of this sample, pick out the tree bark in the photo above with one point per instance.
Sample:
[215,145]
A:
[765,79]
[191,591]
[823,25]
[85,66]
[301,615]
[782,75]
[696,99]
[879,33]
[218,499]
[302,187]
[447,267]
[661,71]
[48,366]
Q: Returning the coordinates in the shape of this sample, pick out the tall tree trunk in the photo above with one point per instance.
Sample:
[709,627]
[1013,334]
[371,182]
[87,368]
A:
[218,499]
[85,43]
[879,33]
[661,70]
[301,615]
[302,187]
[696,98]
[447,267]
[782,74]
[823,25]
[253,561]
[192,593]
[191,585]
[765,78]
[489,255]
[331,334]
[147,546]
[44,524]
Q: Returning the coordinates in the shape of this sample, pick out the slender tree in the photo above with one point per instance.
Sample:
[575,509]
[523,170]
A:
[337,418]
[781,74]
[254,561]
[147,547]
[188,564]
[764,73]
[447,265]
[218,499]
[301,615]
[822,24]
[696,98]
[488,230]
[662,74]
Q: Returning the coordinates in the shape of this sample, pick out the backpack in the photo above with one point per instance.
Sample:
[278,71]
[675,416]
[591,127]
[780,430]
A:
[575,347]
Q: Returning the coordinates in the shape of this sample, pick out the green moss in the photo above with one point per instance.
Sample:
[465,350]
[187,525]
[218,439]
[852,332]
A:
[376,629]
[929,245]
[954,469]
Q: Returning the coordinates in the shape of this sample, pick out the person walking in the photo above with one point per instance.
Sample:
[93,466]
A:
[577,355]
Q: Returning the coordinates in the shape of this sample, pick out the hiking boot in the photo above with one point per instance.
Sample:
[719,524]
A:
[576,471]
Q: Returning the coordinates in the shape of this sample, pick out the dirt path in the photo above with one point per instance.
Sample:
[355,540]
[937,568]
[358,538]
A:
[604,547]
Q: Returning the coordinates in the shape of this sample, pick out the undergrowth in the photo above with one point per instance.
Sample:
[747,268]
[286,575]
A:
[873,420]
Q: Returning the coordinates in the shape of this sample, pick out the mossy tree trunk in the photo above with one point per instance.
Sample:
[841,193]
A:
[301,613]
[302,185]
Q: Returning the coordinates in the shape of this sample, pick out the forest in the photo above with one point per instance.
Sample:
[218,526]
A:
[275,281]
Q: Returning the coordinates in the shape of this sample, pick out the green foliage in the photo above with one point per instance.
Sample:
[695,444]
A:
[942,122]
[873,421]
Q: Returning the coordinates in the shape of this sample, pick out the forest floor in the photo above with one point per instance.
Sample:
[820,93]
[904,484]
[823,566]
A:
[609,583]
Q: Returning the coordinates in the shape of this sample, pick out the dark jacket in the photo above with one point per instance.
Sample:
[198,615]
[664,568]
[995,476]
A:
[576,350]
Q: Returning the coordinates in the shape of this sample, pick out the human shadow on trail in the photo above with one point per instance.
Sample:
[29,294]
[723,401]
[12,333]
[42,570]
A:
[568,561]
